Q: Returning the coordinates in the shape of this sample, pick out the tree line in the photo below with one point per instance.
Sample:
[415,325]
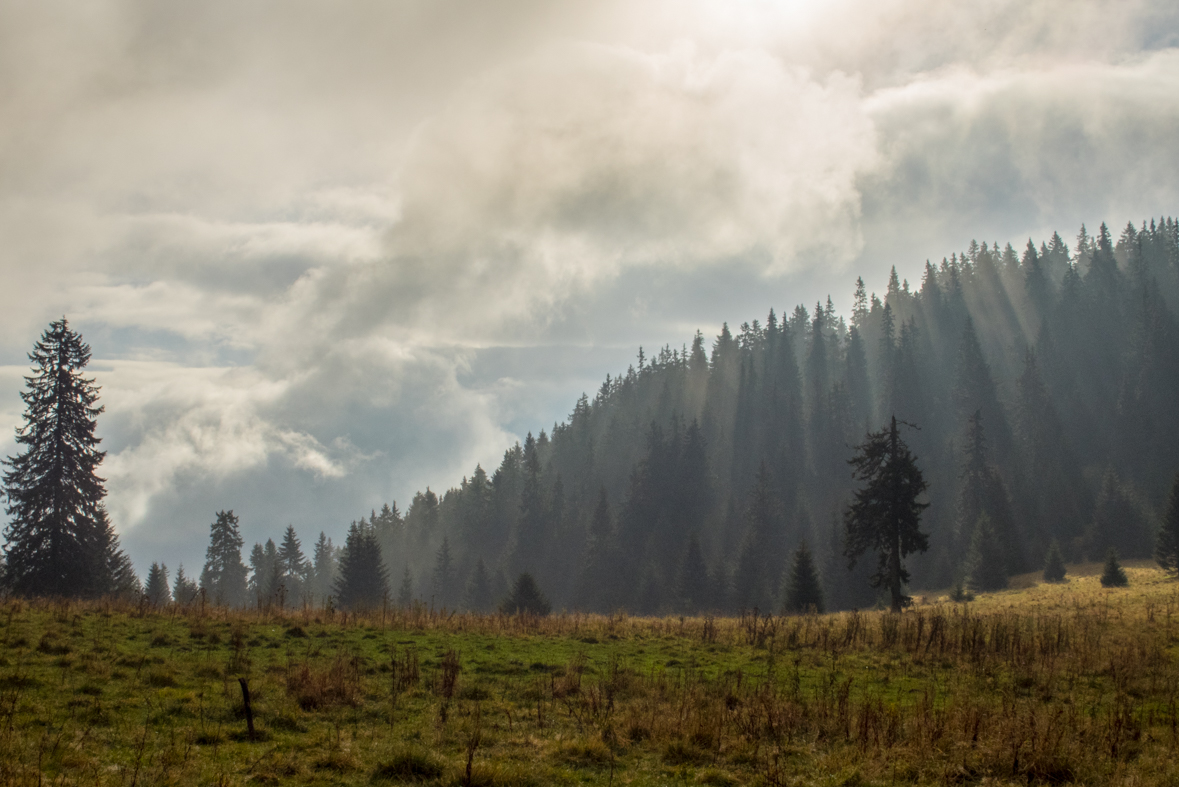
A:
[1039,385]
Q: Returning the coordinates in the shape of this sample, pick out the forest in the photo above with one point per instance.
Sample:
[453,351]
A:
[1035,391]
[1038,390]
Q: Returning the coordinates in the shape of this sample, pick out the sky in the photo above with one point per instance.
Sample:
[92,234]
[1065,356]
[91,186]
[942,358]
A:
[327,254]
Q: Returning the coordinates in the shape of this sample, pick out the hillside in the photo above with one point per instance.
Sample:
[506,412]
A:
[1039,385]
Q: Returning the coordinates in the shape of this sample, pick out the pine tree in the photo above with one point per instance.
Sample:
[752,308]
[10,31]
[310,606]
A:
[323,569]
[444,582]
[886,515]
[295,570]
[59,541]
[1054,570]
[184,590]
[525,598]
[224,575]
[986,563]
[1112,574]
[363,581]
[1166,550]
[804,592]
[758,564]
[265,584]
[478,596]
[156,587]
[1119,522]
[598,589]
[692,582]
[982,492]
[405,590]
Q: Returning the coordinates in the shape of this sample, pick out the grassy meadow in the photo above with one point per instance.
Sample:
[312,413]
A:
[1051,684]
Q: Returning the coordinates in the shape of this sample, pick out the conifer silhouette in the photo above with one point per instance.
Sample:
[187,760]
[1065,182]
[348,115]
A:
[1113,575]
[804,592]
[525,598]
[1054,569]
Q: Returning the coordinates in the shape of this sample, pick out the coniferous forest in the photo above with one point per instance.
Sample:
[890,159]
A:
[1038,387]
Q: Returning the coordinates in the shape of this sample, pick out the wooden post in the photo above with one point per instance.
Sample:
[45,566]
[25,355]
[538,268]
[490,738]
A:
[249,710]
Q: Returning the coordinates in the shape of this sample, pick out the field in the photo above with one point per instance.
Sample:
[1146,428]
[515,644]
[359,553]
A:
[1046,684]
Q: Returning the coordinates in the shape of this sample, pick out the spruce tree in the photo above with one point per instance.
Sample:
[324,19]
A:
[184,589]
[1112,574]
[59,541]
[804,592]
[1166,550]
[985,563]
[363,582]
[525,598]
[266,574]
[886,514]
[224,575]
[692,584]
[156,587]
[323,569]
[478,595]
[597,589]
[1054,570]
[1119,522]
[294,568]
[444,581]
[405,590]
[758,564]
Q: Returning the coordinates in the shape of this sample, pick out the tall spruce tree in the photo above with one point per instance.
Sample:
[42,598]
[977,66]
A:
[692,583]
[59,541]
[405,597]
[224,576]
[1166,550]
[598,589]
[156,586]
[478,595]
[184,589]
[293,566]
[323,569]
[886,514]
[445,590]
[363,582]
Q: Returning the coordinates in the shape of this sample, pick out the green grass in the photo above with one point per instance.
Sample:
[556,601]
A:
[1041,683]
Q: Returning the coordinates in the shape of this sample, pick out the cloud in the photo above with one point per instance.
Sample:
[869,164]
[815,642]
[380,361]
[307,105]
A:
[1019,152]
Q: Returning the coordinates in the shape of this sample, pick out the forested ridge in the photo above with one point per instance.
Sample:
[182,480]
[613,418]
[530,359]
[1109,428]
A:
[1040,385]
[1037,390]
